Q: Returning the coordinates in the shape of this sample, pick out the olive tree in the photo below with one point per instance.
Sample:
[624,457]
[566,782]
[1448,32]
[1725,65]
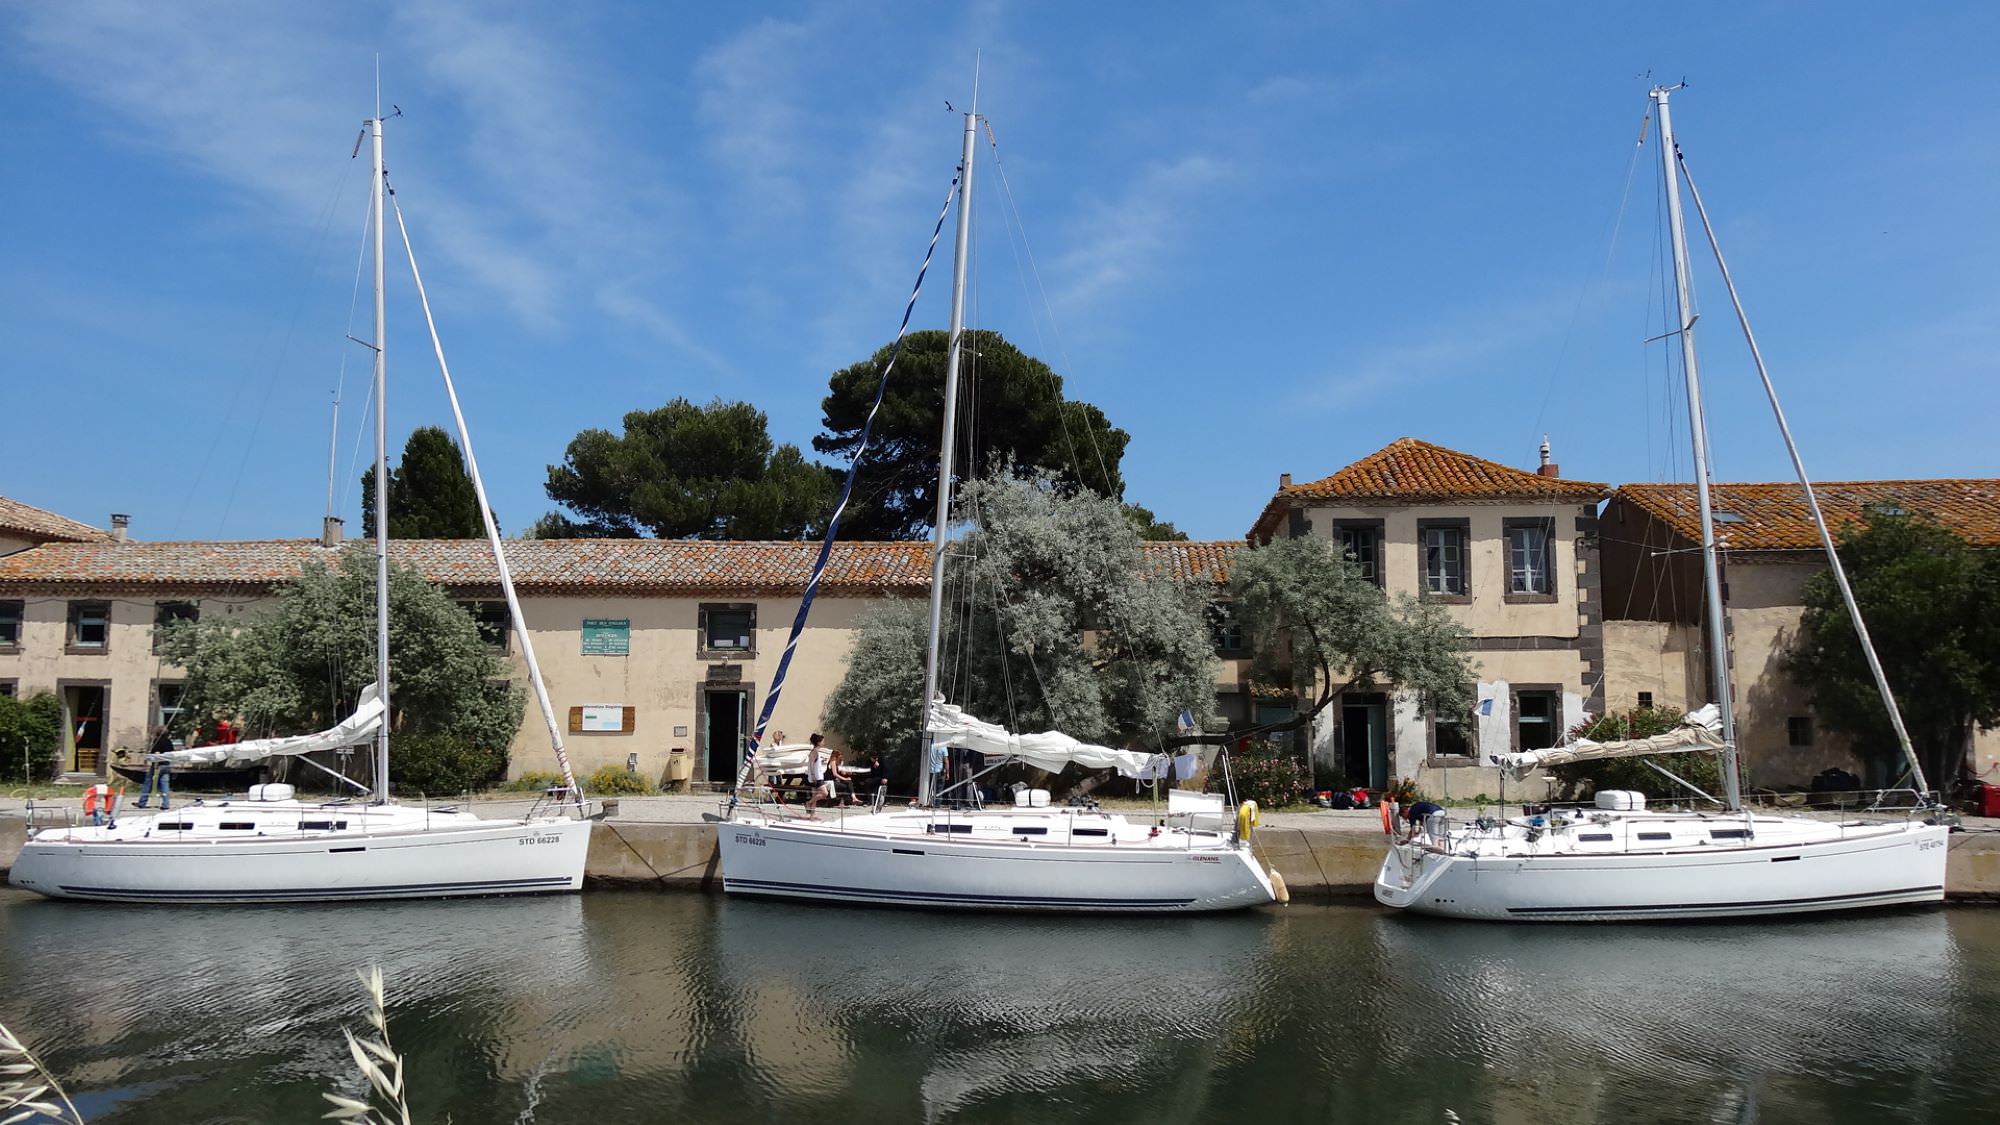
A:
[1054,619]
[300,665]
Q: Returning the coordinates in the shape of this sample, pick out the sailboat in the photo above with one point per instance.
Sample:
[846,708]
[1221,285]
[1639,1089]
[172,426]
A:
[1026,857]
[1618,860]
[269,846]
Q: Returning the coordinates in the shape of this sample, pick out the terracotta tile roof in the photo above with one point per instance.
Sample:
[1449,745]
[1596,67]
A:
[1204,560]
[540,566]
[1409,471]
[1775,516]
[38,524]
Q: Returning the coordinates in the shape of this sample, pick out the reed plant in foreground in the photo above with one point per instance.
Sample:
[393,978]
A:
[28,1092]
[378,1062]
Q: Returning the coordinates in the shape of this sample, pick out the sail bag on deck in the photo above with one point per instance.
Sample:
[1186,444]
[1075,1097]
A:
[1699,730]
[1049,750]
[356,728]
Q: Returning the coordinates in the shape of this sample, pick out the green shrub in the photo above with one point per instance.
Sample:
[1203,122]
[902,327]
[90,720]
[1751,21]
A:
[1579,778]
[444,764]
[534,782]
[1266,774]
[616,781]
[30,733]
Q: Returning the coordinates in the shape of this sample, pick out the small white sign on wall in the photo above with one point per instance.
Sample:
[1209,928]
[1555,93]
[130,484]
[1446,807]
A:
[609,717]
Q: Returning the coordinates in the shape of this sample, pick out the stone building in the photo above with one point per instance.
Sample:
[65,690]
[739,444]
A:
[647,645]
[1656,630]
[1511,554]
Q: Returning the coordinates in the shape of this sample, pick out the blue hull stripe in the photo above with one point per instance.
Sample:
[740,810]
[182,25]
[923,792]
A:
[484,886]
[820,890]
[1655,908]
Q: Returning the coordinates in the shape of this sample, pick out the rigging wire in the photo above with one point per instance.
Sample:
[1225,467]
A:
[321,224]
[1603,270]
[1048,311]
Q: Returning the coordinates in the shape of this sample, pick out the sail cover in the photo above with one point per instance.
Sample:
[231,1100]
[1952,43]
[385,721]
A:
[1699,730]
[356,728]
[1049,750]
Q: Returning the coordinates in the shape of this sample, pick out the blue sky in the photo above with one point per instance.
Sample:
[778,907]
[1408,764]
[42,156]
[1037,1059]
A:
[1273,237]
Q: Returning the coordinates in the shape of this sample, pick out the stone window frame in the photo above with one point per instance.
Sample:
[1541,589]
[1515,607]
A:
[1794,725]
[708,651]
[1380,528]
[11,688]
[1464,528]
[20,618]
[475,607]
[1514,694]
[1225,631]
[1435,760]
[156,718]
[163,616]
[72,617]
[1547,526]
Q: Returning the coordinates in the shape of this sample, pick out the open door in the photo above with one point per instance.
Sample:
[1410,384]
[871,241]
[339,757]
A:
[723,714]
[83,727]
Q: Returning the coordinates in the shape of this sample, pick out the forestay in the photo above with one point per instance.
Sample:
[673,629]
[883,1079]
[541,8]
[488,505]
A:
[357,728]
[1049,750]
[1699,730]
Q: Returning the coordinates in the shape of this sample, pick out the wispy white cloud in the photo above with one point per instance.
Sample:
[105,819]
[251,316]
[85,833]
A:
[1453,348]
[749,89]
[1119,240]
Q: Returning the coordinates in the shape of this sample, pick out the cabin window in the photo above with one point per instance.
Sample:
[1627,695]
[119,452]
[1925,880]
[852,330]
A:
[1361,545]
[238,825]
[1529,558]
[1092,832]
[1595,838]
[494,623]
[89,626]
[1728,833]
[1799,730]
[1537,719]
[1024,830]
[1656,835]
[1444,559]
[169,614]
[11,613]
[729,628]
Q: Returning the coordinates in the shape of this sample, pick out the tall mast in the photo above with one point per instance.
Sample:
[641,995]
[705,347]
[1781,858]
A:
[381,476]
[947,448]
[1718,633]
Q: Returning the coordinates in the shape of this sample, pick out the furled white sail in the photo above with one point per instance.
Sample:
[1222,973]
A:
[1049,750]
[1699,730]
[356,728]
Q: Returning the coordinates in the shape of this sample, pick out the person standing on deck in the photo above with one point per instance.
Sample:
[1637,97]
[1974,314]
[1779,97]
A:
[158,773]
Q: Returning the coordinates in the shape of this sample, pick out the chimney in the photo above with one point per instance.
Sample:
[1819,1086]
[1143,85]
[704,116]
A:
[329,531]
[121,526]
[1284,480]
[1548,468]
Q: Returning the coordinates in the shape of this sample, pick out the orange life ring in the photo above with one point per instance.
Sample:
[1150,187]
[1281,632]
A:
[94,796]
[1388,819]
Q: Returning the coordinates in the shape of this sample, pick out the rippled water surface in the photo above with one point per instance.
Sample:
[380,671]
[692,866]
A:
[610,1008]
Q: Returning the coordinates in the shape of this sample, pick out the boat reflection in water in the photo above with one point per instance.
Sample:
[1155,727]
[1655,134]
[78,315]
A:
[1599,1023]
[609,1008]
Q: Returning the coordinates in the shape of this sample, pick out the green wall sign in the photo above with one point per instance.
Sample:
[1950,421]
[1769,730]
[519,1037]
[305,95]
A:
[607,636]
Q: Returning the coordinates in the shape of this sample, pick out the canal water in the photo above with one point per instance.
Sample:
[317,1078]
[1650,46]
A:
[607,1008]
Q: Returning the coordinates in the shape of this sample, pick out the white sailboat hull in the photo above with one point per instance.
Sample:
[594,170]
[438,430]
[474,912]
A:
[377,853]
[1834,868]
[892,860]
